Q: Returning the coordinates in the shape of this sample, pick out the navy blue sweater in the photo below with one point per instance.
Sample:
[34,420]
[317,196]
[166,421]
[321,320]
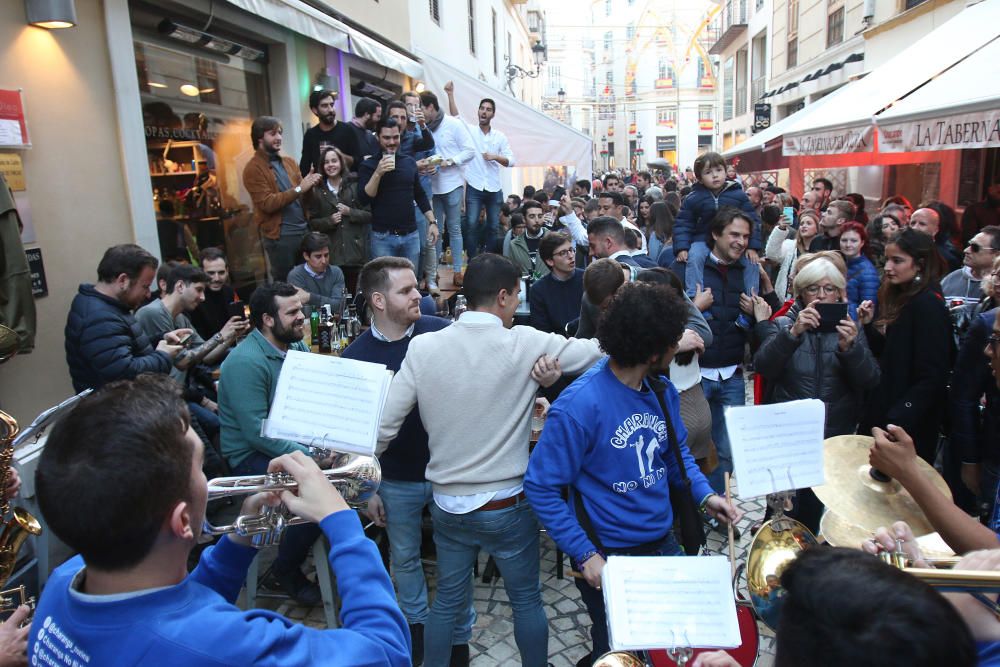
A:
[555,302]
[392,205]
[407,456]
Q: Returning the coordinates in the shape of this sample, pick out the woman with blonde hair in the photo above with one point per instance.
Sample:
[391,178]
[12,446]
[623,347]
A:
[783,249]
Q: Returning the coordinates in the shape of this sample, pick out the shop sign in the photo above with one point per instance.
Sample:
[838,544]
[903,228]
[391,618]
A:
[13,170]
[13,127]
[761,116]
[973,130]
[39,287]
[839,142]
[666,143]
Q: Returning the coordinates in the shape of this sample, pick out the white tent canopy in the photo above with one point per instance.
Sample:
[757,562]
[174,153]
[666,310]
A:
[844,125]
[959,109]
[535,139]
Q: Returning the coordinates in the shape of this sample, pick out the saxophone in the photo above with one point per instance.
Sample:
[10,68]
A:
[21,524]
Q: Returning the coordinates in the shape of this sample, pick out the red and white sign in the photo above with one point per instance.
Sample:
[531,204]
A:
[13,129]
[972,130]
[837,142]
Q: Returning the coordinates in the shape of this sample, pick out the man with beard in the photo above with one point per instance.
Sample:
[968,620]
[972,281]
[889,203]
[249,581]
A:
[329,132]
[276,188]
[246,388]
[212,314]
[367,114]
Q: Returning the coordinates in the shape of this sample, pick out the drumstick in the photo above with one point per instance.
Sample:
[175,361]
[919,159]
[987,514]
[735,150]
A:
[729,526]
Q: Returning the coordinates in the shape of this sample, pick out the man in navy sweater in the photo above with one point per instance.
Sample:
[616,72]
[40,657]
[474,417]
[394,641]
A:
[127,598]
[606,438]
[389,286]
[555,298]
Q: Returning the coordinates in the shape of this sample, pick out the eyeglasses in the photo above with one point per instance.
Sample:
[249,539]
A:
[976,247]
[813,290]
[993,340]
[563,253]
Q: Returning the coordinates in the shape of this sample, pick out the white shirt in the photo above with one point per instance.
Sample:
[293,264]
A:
[642,237]
[378,335]
[452,142]
[576,228]
[482,174]
[466,504]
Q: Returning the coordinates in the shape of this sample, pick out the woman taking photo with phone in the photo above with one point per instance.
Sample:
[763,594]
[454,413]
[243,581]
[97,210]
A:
[912,340]
[783,249]
[816,350]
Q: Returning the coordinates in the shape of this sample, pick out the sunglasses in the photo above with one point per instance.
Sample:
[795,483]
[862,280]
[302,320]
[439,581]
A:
[976,247]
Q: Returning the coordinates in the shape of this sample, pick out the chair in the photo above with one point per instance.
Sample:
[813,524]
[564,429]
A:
[320,555]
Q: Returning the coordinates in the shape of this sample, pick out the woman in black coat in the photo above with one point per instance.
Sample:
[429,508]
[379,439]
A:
[797,361]
[335,210]
[912,339]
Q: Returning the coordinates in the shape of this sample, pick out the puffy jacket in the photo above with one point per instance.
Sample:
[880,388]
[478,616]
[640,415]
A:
[728,341]
[812,366]
[349,239]
[975,432]
[862,281]
[700,207]
[105,343]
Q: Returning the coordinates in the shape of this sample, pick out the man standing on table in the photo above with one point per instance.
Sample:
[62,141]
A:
[473,385]
[606,438]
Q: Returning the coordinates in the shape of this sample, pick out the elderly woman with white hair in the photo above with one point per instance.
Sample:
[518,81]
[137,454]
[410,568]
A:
[797,360]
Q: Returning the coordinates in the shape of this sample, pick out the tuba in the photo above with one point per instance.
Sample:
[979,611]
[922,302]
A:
[21,524]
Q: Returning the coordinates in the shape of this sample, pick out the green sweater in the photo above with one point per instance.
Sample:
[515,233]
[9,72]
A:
[246,388]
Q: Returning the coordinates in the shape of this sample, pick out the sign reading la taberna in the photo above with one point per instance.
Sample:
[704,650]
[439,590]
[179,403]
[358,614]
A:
[831,142]
[972,130]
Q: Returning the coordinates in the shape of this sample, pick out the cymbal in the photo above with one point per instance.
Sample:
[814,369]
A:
[859,498]
[839,532]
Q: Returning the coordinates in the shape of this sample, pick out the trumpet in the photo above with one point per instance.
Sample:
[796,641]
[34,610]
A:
[357,478]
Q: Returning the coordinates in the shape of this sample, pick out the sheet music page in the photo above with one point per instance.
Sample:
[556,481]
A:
[777,447]
[328,402]
[669,601]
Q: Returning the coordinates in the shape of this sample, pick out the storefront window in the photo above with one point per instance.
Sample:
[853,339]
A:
[197,113]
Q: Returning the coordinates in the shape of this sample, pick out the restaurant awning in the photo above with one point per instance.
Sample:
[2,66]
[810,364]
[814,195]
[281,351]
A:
[535,139]
[299,17]
[959,109]
[845,124]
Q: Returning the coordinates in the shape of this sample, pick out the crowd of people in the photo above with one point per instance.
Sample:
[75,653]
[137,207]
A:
[652,303]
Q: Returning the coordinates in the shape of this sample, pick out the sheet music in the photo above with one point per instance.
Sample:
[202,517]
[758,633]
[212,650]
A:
[328,402]
[669,602]
[777,447]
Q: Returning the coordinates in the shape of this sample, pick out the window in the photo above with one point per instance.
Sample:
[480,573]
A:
[792,53]
[835,27]
[666,116]
[493,34]
[630,32]
[609,78]
[607,40]
[631,117]
[472,26]
[706,113]
[435,11]
[727,89]
[553,81]
[793,18]
[607,7]
[661,69]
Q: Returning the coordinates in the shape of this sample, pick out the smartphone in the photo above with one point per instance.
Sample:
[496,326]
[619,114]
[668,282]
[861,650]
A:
[789,213]
[553,202]
[186,341]
[830,315]
[235,309]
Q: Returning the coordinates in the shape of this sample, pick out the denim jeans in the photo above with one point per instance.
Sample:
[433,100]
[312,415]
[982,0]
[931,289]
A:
[404,504]
[386,244]
[448,212]
[720,395]
[694,272]
[209,420]
[593,599]
[481,236]
[510,535]
[283,255]
[296,541]
[427,267]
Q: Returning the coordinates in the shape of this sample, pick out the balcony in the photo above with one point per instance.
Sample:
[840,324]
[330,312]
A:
[757,89]
[732,25]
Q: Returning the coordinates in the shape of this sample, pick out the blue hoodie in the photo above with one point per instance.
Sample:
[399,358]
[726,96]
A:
[195,622]
[699,208]
[609,442]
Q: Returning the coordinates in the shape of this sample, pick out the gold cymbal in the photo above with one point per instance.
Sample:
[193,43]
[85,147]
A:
[839,532]
[861,500]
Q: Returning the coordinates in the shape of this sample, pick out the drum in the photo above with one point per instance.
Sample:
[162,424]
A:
[745,654]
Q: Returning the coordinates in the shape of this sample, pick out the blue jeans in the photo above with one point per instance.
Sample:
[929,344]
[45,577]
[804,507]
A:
[719,396]
[510,535]
[593,599]
[481,236]
[387,244]
[427,268]
[694,272]
[448,212]
[404,504]
[296,541]
[209,420]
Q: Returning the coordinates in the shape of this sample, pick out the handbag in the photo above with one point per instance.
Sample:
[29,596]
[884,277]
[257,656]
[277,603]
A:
[687,517]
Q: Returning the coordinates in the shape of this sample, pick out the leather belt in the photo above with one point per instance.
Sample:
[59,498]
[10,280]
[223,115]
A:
[505,503]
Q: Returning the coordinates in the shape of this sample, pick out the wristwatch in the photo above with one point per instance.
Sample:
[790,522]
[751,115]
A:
[298,189]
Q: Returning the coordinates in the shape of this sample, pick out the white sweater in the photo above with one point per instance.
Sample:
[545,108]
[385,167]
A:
[473,388]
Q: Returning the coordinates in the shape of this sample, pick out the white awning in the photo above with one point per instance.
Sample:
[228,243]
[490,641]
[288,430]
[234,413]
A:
[300,18]
[845,125]
[959,109]
[535,139]
[764,137]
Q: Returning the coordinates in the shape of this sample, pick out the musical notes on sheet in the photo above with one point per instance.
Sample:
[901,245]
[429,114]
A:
[328,402]
[777,447]
[669,602]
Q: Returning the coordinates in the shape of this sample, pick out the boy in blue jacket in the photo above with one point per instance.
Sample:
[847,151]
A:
[606,438]
[711,193]
[120,482]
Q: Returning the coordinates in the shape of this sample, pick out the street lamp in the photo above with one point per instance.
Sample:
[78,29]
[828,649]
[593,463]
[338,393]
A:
[561,96]
[604,150]
[517,72]
[638,150]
